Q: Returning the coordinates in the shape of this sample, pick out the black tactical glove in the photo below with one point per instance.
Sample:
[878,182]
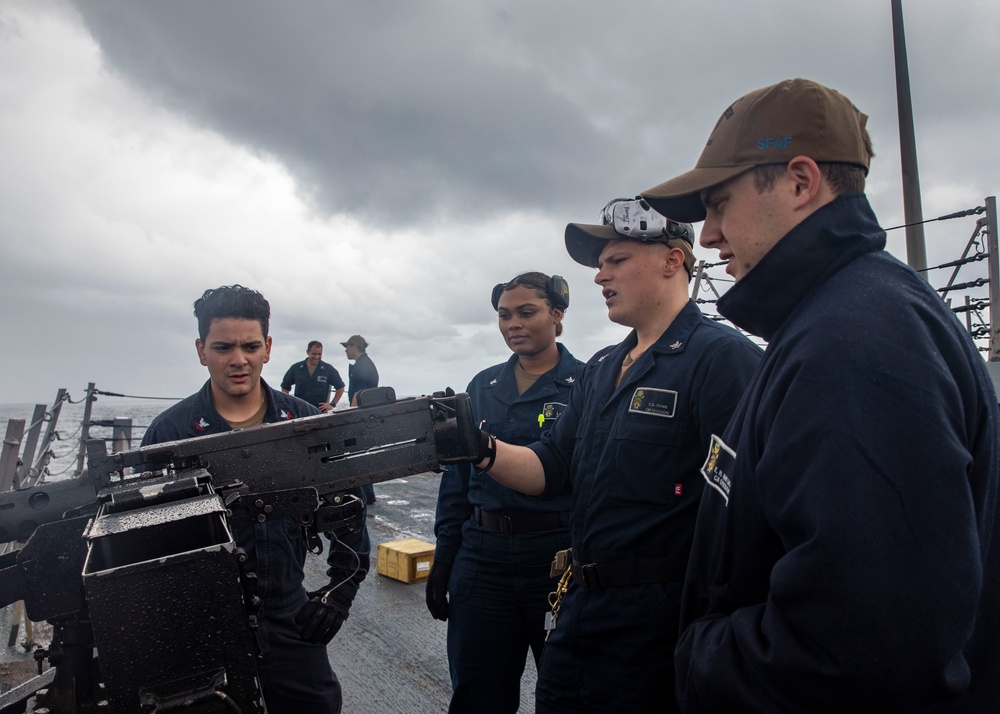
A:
[485,448]
[477,447]
[320,618]
[437,591]
[456,436]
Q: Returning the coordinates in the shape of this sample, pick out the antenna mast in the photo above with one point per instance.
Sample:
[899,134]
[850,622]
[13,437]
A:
[916,251]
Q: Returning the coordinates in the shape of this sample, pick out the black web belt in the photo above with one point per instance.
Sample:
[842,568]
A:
[634,571]
[520,522]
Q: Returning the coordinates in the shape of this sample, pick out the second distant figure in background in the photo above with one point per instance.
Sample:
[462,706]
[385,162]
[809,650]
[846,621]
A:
[313,378]
[490,578]
[360,375]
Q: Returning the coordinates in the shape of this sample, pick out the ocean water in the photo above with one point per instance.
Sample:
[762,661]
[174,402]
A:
[66,447]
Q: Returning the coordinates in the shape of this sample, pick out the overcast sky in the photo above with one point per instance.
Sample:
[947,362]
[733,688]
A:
[376,167]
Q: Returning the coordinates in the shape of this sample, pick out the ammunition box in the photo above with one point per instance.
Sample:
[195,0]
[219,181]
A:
[406,560]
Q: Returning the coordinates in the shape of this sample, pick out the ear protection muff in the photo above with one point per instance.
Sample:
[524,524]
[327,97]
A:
[556,289]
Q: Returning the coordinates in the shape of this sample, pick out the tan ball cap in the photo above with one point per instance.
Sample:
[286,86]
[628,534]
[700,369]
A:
[771,125]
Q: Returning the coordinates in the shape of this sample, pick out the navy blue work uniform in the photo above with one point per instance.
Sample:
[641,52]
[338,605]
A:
[631,454]
[847,553]
[362,375]
[313,388]
[295,675]
[501,543]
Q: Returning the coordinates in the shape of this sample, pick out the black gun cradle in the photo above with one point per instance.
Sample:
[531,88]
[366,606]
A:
[147,574]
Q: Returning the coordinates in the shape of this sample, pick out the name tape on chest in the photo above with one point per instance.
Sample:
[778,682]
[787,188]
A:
[718,467]
[552,410]
[653,401]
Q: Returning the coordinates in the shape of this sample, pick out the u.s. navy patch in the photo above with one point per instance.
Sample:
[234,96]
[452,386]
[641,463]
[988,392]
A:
[552,410]
[718,467]
[658,402]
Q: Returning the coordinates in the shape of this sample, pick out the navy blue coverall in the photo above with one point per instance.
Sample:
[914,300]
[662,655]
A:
[295,675]
[501,543]
[631,454]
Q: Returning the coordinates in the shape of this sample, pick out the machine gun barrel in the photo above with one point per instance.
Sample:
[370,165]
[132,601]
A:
[331,453]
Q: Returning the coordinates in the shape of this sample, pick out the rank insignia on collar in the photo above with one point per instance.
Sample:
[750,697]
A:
[570,380]
[284,415]
[201,424]
[676,345]
[493,381]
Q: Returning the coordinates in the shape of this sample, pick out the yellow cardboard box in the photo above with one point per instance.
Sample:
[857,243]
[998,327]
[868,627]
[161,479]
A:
[406,560]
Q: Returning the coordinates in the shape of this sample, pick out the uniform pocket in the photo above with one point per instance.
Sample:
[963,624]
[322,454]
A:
[646,457]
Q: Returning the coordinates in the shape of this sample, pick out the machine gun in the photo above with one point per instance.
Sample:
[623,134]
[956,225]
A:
[136,559]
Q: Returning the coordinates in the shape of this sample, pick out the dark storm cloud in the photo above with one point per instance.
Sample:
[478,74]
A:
[406,113]
[393,113]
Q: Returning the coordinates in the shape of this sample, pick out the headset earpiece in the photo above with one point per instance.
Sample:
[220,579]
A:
[497,292]
[557,290]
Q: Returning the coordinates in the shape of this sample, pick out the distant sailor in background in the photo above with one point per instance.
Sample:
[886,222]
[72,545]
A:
[313,379]
[360,375]
[491,574]
[293,626]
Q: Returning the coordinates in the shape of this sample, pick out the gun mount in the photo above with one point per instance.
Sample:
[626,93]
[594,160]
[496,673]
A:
[135,560]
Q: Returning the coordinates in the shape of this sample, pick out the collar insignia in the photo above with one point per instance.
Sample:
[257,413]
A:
[676,345]
[285,415]
[493,382]
[570,380]
[201,424]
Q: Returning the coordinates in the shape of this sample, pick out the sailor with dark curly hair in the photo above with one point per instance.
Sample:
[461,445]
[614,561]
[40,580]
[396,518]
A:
[293,626]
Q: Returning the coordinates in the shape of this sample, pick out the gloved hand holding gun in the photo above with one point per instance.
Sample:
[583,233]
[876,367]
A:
[459,441]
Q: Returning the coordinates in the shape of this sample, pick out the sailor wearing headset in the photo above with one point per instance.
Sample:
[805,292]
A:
[491,575]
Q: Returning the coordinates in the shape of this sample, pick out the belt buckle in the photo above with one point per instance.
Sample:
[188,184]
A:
[506,525]
[590,579]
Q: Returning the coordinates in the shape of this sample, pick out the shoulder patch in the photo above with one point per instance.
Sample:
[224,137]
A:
[718,467]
